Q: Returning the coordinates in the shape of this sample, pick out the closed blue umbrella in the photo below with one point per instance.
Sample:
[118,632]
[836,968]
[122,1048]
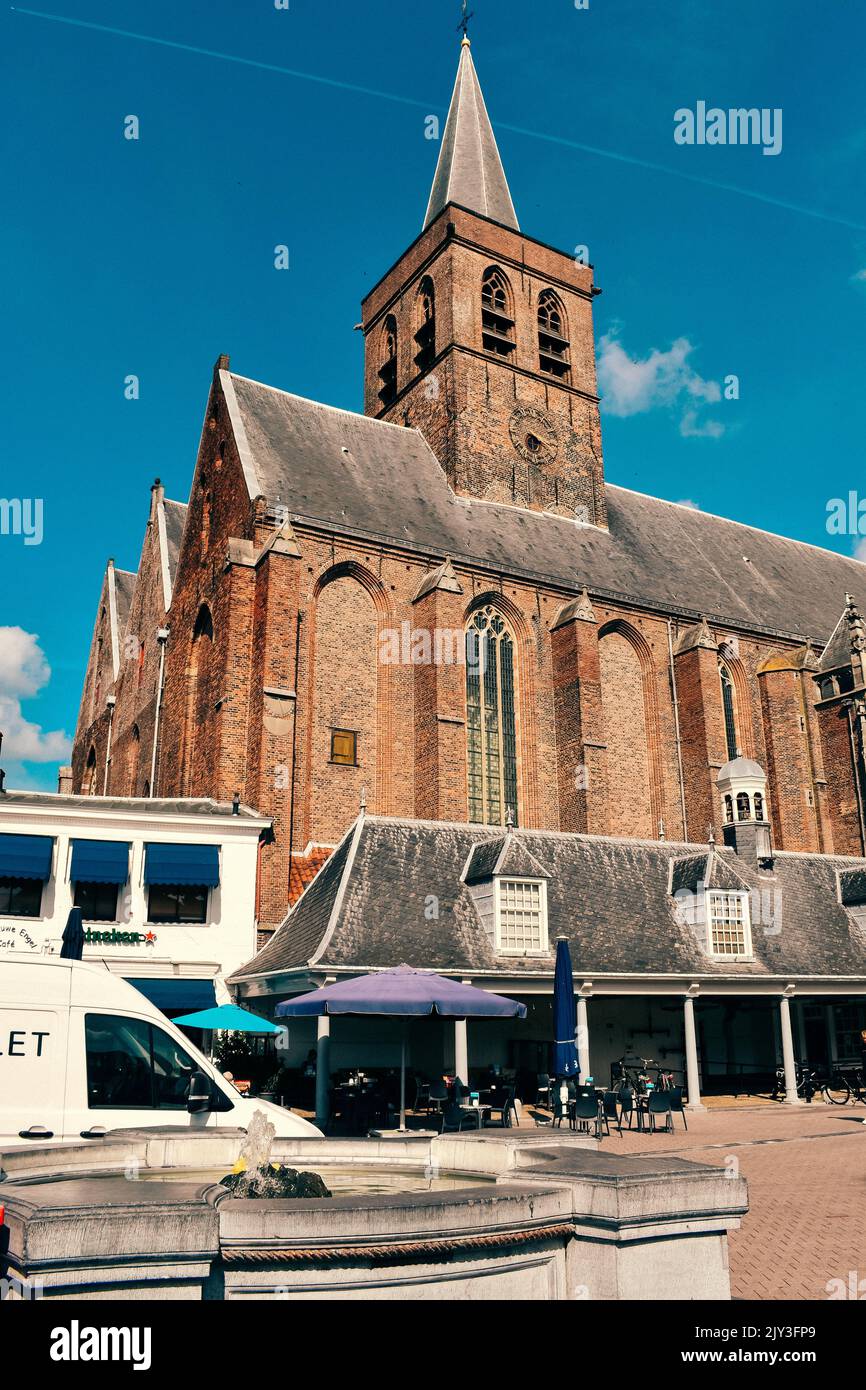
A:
[565,1058]
[73,936]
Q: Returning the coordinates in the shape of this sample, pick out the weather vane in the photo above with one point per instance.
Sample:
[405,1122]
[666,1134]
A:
[464,22]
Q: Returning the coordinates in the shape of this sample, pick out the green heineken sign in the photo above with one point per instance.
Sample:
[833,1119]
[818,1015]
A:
[119,938]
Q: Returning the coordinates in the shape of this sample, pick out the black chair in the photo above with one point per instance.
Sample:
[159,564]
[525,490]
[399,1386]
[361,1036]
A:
[676,1095]
[422,1095]
[542,1093]
[456,1117]
[659,1103]
[627,1107]
[610,1111]
[503,1107]
[585,1111]
[437,1096]
[561,1108]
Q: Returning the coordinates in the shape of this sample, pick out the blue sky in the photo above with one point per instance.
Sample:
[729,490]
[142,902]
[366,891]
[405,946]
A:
[153,256]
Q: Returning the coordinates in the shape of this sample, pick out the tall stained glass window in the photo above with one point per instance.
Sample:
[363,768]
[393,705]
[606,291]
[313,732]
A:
[730,712]
[490,727]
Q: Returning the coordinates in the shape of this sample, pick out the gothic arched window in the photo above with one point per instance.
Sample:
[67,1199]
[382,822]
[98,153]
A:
[497,319]
[425,337]
[388,369]
[553,341]
[744,806]
[490,723]
[730,710]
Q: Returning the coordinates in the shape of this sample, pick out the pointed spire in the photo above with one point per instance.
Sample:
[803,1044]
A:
[470,171]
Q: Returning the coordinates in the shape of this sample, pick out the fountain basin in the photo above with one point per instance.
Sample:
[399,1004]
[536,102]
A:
[515,1215]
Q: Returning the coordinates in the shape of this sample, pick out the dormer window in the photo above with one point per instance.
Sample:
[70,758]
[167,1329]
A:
[521,916]
[728,928]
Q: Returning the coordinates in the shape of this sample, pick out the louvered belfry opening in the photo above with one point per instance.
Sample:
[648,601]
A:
[497,324]
[553,344]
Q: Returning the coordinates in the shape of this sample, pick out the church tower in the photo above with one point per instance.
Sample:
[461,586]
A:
[482,337]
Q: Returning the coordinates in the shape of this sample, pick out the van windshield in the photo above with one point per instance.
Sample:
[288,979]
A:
[133,1065]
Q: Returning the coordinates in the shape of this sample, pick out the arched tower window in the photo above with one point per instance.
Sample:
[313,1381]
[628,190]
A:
[490,722]
[497,317]
[388,369]
[425,337]
[759,806]
[730,709]
[553,344]
[744,806]
[729,810]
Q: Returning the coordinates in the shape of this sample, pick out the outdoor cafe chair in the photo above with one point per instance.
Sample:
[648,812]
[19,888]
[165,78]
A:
[437,1095]
[542,1094]
[422,1095]
[610,1111]
[659,1103]
[455,1117]
[505,1108]
[627,1107]
[585,1110]
[676,1099]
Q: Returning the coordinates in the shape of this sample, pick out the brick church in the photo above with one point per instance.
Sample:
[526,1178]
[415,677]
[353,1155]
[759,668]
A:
[442,609]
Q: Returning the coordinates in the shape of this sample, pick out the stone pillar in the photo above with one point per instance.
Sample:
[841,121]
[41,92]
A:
[791,1097]
[323,1070]
[693,1081]
[581,749]
[583,1037]
[461,1051]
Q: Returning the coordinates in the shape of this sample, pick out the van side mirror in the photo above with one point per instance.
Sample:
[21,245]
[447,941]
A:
[199,1095]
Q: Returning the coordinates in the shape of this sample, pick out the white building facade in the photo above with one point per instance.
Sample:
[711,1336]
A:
[167,888]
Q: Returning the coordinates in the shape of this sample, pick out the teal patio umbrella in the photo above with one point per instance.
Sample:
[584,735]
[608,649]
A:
[228,1018]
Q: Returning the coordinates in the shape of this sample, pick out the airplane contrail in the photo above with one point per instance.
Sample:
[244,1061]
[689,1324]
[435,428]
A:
[428,106]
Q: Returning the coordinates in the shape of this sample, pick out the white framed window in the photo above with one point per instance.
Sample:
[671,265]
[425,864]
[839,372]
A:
[728,927]
[521,916]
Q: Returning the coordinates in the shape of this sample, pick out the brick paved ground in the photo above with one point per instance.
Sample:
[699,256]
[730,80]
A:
[806,1170]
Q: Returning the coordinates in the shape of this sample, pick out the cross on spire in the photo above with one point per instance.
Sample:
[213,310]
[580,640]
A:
[464,22]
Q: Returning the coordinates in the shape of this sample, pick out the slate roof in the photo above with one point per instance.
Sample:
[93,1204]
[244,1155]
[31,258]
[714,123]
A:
[657,554]
[469,170]
[175,517]
[371,907]
[124,584]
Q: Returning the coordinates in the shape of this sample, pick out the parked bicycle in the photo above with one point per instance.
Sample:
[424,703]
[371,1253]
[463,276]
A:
[633,1074]
[838,1088]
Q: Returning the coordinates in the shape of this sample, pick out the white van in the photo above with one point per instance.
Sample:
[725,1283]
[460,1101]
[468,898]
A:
[82,1052]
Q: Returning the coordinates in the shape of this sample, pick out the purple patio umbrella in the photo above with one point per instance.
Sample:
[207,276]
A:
[402,992]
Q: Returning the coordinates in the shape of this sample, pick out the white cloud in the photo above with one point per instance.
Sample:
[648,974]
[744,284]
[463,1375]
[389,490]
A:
[633,385]
[23,673]
[687,502]
[860,277]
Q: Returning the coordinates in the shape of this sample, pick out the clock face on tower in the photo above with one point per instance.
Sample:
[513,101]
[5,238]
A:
[534,435]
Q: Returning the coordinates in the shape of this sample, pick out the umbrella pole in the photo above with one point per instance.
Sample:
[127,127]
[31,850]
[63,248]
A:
[403,1079]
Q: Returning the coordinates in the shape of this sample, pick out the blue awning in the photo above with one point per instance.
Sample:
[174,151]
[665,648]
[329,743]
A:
[26,856]
[100,861]
[198,865]
[176,995]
